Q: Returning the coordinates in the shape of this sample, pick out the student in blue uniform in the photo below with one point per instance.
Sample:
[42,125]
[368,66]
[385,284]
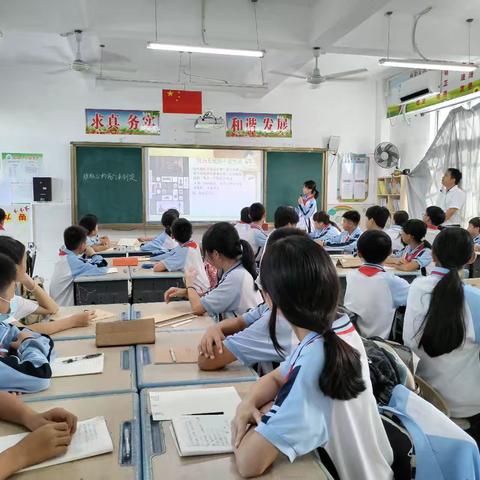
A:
[347,240]
[442,326]
[417,253]
[325,229]
[247,338]
[71,265]
[377,217]
[307,205]
[163,242]
[243,226]
[400,218]
[51,434]
[259,236]
[321,396]
[285,216]
[372,293]
[24,355]
[474,231]
[236,291]
[90,223]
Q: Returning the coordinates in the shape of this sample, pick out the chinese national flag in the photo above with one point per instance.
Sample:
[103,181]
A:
[182,101]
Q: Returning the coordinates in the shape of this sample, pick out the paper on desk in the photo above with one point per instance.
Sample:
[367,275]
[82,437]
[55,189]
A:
[165,405]
[87,366]
[99,314]
[176,355]
[112,270]
[128,242]
[90,439]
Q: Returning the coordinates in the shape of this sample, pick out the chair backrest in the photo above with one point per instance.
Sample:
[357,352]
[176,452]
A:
[428,393]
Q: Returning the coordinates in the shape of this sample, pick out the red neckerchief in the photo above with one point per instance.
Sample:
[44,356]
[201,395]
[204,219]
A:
[2,227]
[436,272]
[370,270]
[254,225]
[415,253]
[307,198]
[190,244]
[62,252]
[432,227]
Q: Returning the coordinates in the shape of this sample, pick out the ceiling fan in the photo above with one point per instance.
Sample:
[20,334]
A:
[315,78]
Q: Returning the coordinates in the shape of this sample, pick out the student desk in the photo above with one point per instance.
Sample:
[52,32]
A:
[150,374]
[115,251]
[144,310]
[475,282]
[161,459]
[119,374]
[102,289]
[150,286]
[122,415]
[121,311]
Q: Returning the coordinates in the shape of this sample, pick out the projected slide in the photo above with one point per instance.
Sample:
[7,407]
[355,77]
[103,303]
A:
[203,184]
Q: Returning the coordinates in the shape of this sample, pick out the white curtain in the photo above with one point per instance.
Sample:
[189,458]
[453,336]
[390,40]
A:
[456,145]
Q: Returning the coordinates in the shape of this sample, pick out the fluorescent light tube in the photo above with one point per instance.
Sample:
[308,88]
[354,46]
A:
[212,50]
[428,64]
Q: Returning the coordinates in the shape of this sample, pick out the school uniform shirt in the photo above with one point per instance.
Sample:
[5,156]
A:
[161,243]
[233,295]
[258,241]
[303,418]
[306,211]
[420,254]
[432,232]
[68,267]
[375,294]
[456,374]
[93,240]
[19,308]
[244,231]
[395,234]
[345,242]
[453,198]
[327,233]
[28,369]
[476,240]
[253,344]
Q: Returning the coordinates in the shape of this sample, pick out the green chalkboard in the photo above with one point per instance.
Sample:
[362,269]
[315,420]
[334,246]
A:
[108,183]
[286,173]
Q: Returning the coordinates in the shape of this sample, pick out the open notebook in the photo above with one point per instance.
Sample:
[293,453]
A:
[78,365]
[202,434]
[91,439]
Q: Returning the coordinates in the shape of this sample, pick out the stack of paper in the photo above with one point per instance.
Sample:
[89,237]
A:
[77,365]
[90,439]
[202,435]
[166,405]
[112,270]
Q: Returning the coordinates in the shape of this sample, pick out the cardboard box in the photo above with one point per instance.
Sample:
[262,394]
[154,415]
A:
[125,332]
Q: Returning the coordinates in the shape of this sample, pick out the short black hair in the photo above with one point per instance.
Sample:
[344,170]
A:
[352,215]
[89,222]
[182,230]
[12,248]
[257,211]
[285,215]
[374,246]
[245,215]
[168,217]
[3,215]
[456,174]
[474,222]
[416,228]
[400,217]
[74,236]
[8,272]
[436,215]
[378,214]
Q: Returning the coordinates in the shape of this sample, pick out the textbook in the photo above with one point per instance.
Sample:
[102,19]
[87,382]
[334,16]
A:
[350,262]
[172,311]
[128,242]
[202,434]
[78,365]
[165,405]
[90,439]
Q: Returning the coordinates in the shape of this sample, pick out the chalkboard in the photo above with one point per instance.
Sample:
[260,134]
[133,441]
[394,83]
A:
[286,172]
[108,183]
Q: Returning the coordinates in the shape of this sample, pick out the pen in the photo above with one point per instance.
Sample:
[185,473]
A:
[172,354]
[83,357]
[126,442]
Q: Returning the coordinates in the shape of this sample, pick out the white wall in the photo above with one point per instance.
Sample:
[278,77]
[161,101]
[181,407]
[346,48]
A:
[45,113]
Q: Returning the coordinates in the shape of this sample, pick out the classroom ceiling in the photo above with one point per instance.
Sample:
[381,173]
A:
[352,32]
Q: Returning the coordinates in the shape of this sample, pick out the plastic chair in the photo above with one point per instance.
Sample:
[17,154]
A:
[428,393]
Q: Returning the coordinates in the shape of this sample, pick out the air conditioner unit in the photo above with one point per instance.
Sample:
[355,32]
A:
[409,89]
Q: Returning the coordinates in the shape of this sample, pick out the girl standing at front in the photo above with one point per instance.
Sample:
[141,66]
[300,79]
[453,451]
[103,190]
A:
[307,205]
[442,326]
[321,396]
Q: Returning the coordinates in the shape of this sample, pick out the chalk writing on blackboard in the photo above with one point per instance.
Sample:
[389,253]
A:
[109,176]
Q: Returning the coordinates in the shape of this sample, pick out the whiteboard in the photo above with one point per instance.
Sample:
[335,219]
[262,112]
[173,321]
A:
[18,222]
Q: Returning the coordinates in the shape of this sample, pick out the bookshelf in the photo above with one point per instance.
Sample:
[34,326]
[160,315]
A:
[392,193]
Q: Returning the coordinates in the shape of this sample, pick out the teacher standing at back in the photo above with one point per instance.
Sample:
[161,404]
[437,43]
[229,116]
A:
[451,198]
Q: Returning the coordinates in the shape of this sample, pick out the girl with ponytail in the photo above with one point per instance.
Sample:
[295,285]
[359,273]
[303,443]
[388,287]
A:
[307,205]
[236,291]
[442,326]
[321,396]
[325,229]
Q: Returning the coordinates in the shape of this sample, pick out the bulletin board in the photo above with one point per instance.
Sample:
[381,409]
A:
[353,174]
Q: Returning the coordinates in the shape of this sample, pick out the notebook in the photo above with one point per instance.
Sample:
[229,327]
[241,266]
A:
[350,262]
[165,405]
[112,270]
[202,435]
[176,355]
[77,365]
[172,311]
[99,314]
[128,242]
[90,439]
